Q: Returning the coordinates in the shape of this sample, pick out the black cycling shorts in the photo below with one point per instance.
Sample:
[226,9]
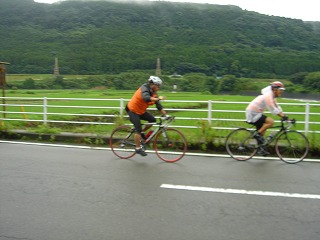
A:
[260,122]
[135,119]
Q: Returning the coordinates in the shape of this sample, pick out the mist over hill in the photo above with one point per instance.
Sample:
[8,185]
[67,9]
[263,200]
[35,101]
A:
[96,37]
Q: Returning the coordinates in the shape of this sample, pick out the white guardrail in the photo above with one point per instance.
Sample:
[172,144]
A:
[46,110]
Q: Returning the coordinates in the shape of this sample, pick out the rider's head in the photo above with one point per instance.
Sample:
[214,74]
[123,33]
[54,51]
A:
[277,88]
[278,85]
[154,82]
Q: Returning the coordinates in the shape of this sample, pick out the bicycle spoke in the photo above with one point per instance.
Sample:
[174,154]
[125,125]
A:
[292,146]
[122,142]
[241,145]
[172,147]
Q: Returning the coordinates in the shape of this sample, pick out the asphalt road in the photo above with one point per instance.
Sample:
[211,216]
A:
[57,193]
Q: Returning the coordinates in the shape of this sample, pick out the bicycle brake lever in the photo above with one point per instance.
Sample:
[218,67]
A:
[165,117]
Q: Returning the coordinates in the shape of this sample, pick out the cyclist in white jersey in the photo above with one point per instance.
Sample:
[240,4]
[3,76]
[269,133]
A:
[255,110]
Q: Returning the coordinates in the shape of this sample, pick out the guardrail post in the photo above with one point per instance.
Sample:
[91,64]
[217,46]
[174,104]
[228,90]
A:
[209,112]
[121,106]
[307,118]
[45,111]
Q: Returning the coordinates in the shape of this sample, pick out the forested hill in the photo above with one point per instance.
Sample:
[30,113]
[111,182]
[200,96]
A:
[94,37]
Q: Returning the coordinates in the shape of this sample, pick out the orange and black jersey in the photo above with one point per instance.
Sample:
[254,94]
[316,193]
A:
[140,100]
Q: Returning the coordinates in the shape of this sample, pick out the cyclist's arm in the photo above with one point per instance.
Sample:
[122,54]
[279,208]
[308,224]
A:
[145,92]
[155,98]
[147,96]
[273,106]
[163,112]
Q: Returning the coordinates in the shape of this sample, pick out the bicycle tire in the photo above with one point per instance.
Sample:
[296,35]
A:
[241,145]
[292,146]
[122,142]
[171,149]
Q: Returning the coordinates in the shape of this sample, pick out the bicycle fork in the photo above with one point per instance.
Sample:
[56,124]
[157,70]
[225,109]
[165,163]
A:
[164,134]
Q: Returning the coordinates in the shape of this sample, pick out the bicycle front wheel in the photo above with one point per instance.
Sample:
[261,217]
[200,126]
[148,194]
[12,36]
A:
[170,145]
[241,145]
[292,146]
[122,142]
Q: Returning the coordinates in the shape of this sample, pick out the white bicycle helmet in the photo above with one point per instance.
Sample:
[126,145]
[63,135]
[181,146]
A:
[278,85]
[155,80]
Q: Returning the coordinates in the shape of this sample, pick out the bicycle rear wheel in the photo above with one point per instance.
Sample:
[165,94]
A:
[241,145]
[122,142]
[170,145]
[292,146]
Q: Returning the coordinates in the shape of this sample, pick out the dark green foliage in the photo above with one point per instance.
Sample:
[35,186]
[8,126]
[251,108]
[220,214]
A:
[312,81]
[298,78]
[28,84]
[230,84]
[97,37]
[194,82]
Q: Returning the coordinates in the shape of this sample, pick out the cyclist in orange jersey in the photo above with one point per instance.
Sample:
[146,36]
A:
[136,108]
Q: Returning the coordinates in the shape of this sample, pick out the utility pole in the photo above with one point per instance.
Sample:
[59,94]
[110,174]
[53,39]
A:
[56,67]
[158,69]
[3,85]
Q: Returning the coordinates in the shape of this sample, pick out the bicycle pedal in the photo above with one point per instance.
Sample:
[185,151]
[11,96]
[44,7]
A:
[263,152]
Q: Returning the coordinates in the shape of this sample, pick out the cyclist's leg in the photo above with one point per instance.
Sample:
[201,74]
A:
[262,124]
[268,123]
[135,120]
[149,118]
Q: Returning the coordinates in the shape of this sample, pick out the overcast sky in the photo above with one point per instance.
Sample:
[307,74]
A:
[307,10]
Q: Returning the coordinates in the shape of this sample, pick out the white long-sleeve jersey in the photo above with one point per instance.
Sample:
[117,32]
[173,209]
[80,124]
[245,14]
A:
[258,105]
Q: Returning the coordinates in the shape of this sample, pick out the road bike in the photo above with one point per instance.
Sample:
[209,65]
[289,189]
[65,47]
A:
[291,146]
[169,144]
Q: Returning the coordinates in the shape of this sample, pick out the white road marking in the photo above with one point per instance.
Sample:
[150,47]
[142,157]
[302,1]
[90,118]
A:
[108,148]
[241,191]
[54,145]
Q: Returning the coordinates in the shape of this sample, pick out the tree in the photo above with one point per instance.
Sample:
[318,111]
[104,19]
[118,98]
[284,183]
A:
[229,83]
[28,84]
[195,82]
[235,68]
[184,68]
[213,85]
[312,81]
[298,78]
